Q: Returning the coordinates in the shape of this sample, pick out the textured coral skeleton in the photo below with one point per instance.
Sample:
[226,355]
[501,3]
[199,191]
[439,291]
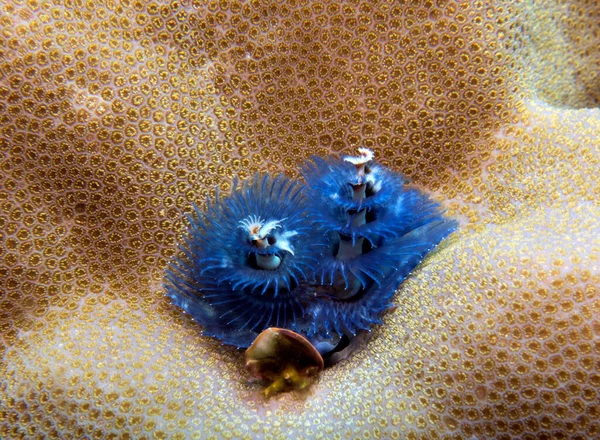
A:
[115,116]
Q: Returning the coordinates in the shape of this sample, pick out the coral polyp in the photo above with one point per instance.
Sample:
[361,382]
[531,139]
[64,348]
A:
[321,258]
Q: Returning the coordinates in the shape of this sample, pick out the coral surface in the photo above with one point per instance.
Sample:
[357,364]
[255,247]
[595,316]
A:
[117,116]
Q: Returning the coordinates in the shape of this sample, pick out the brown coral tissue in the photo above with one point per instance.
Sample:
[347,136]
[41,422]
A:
[117,116]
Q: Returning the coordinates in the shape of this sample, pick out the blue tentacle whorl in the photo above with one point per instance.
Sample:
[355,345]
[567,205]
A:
[377,231]
[328,314]
[243,261]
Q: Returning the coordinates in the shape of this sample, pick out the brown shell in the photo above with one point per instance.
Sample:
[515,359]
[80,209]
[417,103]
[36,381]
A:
[276,351]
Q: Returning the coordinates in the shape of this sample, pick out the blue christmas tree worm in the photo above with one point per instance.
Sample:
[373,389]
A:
[321,258]
[243,261]
[377,231]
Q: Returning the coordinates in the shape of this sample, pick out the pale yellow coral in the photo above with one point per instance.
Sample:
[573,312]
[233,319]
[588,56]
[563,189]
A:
[116,116]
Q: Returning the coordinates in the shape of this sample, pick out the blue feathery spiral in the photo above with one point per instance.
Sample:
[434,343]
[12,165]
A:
[330,315]
[244,260]
[322,258]
[376,230]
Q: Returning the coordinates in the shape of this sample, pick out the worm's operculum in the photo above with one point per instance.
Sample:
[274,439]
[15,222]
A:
[263,236]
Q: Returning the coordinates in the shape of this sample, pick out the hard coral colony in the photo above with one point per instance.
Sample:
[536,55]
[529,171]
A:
[320,258]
